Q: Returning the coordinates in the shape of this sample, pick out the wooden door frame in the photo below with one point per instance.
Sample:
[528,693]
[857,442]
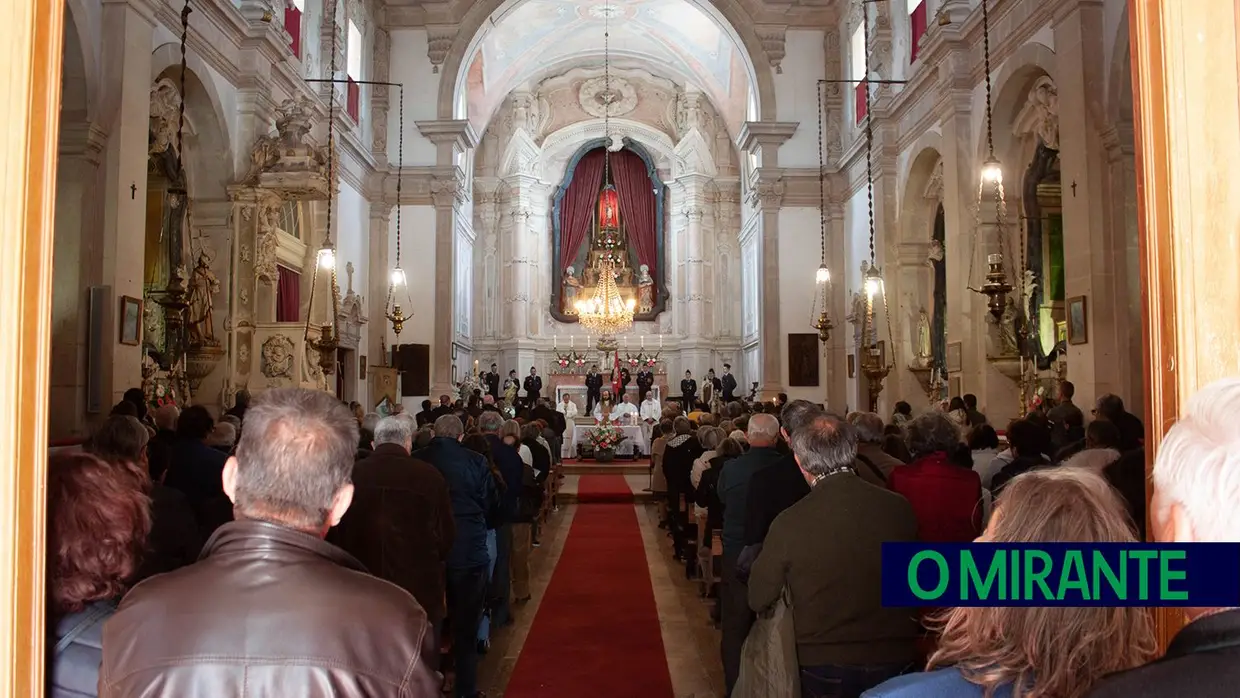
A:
[31,35]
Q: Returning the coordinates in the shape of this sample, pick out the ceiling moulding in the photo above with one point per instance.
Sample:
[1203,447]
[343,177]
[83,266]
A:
[571,75]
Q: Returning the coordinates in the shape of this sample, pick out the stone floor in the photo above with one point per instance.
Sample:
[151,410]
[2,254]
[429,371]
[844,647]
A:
[689,638]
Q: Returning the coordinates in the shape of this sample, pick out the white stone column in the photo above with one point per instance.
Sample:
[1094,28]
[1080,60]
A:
[125,115]
[379,335]
[760,141]
[449,191]
[523,260]
[1090,268]
[690,196]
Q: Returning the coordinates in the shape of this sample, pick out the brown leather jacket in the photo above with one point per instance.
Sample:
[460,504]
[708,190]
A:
[267,611]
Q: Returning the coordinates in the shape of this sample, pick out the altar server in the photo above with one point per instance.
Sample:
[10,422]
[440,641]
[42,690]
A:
[651,410]
[568,408]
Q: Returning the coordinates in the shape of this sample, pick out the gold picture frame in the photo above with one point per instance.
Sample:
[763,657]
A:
[131,321]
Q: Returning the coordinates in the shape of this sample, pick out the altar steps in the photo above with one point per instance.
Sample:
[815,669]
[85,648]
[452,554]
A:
[617,467]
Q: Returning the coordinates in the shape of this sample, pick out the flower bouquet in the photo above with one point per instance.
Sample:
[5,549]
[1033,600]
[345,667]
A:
[604,439]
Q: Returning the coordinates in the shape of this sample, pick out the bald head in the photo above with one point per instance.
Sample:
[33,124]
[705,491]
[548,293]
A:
[763,430]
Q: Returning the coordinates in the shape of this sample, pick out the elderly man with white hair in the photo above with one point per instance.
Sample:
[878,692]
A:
[1196,500]
[733,491]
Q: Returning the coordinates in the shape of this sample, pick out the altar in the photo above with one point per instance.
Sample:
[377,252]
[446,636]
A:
[635,438]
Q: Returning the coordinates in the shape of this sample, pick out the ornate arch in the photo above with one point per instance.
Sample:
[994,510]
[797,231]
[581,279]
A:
[559,146]
[734,18]
[206,111]
[1011,89]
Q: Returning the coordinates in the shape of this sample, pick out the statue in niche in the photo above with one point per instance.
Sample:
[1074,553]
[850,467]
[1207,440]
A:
[645,290]
[925,352]
[569,294]
[202,287]
[856,317]
[935,254]
[265,252]
[1007,329]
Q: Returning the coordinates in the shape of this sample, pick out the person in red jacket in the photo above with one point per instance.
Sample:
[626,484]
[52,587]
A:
[946,497]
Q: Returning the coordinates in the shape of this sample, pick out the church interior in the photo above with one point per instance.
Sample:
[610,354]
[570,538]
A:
[450,207]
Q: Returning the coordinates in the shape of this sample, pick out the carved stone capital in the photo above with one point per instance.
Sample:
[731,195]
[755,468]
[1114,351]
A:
[772,38]
[439,39]
[766,192]
[449,191]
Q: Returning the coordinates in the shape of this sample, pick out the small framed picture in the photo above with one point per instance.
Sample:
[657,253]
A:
[852,365]
[955,360]
[361,367]
[953,387]
[131,320]
[1078,325]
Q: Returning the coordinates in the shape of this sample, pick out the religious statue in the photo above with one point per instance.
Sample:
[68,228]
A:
[267,243]
[645,290]
[856,317]
[572,287]
[203,285]
[935,254]
[1007,329]
[925,352]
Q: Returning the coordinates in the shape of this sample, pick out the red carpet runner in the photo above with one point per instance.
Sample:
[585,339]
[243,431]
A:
[603,489]
[596,633]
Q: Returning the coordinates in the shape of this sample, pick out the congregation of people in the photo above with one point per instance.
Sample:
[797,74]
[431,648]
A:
[802,501]
[300,546]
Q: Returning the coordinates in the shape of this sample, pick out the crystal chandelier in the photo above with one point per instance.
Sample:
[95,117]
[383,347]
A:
[605,313]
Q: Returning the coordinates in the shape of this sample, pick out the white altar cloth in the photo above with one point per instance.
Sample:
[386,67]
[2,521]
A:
[635,437]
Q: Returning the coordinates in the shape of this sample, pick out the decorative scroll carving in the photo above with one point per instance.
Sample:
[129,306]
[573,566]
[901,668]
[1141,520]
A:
[285,161]
[766,193]
[596,100]
[439,39]
[277,358]
[1040,115]
[265,254]
[934,187]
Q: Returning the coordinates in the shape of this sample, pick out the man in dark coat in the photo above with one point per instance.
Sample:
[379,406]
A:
[511,468]
[400,524]
[533,387]
[493,380]
[727,384]
[594,388]
[645,381]
[688,392]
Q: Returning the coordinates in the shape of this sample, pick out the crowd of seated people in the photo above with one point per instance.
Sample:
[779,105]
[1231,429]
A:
[295,546]
[803,507]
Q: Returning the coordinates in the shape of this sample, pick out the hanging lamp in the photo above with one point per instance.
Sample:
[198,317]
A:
[820,316]
[328,340]
[874,366]
[996,285]
[605,312]
[392,308]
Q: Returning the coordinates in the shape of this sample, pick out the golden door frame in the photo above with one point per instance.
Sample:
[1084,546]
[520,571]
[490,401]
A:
[1185,75]
[31,35]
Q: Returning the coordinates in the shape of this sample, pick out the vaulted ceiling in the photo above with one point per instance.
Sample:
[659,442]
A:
[683,40]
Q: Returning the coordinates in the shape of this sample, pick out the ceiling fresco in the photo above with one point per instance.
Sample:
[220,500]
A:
[676,38]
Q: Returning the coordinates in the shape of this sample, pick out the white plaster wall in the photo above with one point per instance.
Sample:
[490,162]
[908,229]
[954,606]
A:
[352,243]
[796,95]
[798,262]
[418,259]
[411,67]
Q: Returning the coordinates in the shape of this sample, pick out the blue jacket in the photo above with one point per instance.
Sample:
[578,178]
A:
[471,489]
[511,467]
[940,683]
[73,666]
[733,490]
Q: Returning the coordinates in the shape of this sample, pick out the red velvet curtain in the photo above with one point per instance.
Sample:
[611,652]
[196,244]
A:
[638,207]
[288,295]
[578,203]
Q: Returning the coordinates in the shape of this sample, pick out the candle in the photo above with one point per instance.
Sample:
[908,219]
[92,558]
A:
[475,367]
[660,341]
[572,341]
[555,342]
[643,341]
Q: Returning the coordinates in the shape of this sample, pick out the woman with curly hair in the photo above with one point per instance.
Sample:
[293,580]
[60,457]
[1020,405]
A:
[97,521]
[1037,652]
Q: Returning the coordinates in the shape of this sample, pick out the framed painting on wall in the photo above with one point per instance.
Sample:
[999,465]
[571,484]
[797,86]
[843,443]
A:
[953,387]
[1078,327]
[803,360]
[361,367]
[131,320]
[955,360]
[852,365]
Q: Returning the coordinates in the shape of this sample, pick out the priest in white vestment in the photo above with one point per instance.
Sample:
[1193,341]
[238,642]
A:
[568,408]
[625,412]
[651,410]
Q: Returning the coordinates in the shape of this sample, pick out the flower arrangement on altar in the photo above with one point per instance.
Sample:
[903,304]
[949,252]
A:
[1038,399]
[467,387]
[161,394]
[642,359]
[605,437]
